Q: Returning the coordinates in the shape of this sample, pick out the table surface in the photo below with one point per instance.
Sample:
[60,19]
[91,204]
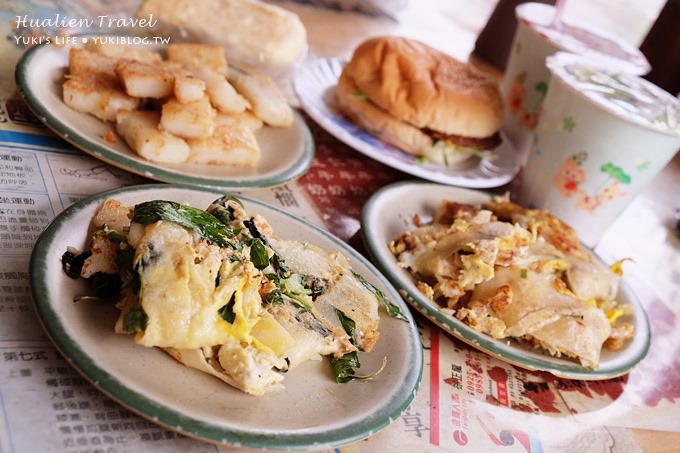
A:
[645,413]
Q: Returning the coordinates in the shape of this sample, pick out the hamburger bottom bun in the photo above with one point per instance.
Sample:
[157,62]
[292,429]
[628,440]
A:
[389,129]
[426,88]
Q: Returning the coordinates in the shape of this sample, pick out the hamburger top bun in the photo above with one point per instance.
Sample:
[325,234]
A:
[425,87]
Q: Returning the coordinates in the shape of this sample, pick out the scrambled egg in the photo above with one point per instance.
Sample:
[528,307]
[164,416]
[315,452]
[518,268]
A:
[517,273]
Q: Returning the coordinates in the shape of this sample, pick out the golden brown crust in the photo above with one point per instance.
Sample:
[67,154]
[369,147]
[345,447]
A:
[377,121]
[390,129]
[425,87]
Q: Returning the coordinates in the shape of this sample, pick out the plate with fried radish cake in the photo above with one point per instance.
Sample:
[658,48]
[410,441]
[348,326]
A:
[513,282]
[178,113]
[225,319]
[414,108]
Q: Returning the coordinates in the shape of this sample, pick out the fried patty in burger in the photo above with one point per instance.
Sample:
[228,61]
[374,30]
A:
[421,100]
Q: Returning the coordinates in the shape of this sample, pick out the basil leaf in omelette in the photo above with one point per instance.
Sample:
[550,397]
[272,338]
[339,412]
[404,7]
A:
[220,292]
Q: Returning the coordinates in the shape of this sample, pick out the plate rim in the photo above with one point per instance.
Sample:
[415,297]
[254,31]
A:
[173,419]
[479,340]
[83,143]
[414,170]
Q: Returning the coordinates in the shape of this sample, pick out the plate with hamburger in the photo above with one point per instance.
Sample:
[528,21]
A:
[413,108]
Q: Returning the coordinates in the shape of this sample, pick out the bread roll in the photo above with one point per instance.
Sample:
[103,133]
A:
[254,34]
[425,87]
[377,121]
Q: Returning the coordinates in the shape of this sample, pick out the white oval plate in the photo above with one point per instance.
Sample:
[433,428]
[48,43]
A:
[313,412]
[286,152]
[315,86]
[389,212]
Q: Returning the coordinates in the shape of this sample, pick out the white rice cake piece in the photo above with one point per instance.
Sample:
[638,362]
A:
[222,95]
[233,144]
[98,95]
[265,97]
[103,258]
[200,55]
[114,214]
[82,61]
[145,80]
[140,131]
[191,120]
[246,118]
[188,88]
[122,51]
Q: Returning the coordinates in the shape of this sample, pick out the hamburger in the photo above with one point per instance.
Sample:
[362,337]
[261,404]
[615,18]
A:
[421,100]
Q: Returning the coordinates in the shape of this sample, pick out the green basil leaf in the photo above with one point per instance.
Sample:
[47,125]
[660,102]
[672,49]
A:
[279,266]
[106,286]
[252,229]
[349,326]
[114,235]
[72,264]
[390,308]
[258,254]
[202,222]
[135,320]
[125,263]
[227,311]
[343,367]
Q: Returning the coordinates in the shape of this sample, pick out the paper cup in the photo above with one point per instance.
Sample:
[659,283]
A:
[602,136]
[525,83]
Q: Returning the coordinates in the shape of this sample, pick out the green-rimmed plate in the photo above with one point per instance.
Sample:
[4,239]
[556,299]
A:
[313,412]
[389,212]
[286,152]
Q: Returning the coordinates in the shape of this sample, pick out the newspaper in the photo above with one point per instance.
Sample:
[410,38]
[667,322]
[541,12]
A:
[467,401]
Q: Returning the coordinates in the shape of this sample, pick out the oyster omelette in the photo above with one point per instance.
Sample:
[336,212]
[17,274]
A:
[220,292]
[516,273]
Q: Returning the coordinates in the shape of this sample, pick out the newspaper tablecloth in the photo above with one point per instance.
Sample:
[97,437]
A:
[467,401]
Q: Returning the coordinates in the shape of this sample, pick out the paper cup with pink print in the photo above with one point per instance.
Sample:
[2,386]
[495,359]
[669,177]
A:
[526,79]
[602,136]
